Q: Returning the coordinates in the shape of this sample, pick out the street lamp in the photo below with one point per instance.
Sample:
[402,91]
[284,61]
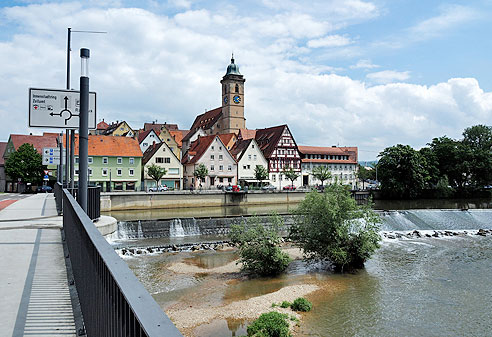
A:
[83,127]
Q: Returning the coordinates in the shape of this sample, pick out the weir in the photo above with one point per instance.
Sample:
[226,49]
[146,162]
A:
[403,220]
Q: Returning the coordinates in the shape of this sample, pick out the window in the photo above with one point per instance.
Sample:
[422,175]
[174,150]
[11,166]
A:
[130,186]
[274,177]
[212,147]
[119,172]
[221,168]
[212,157]
[90,172]
[159,160]
[237,88]
[167,160]
[119,160]
[212,181]
[229,180]
[220,157]
[76,160]
[244,167]
[132,161]
[254,157]
[173,170]
[89,160]
[76,172]
[220,148]
[212,168]
[249,157]
[249,167]
[229,168]
[145,144]
[221,180]
[131,172]
[253,146]
[104,172]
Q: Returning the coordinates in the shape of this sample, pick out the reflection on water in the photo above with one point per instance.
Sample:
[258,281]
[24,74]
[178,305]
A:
[209,260]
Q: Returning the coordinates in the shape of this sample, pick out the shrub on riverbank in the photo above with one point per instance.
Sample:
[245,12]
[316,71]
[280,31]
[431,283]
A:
[272,324]
[259,249]
[331,226]
[301,304]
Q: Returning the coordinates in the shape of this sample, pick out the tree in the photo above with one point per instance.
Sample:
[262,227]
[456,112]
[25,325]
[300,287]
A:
[261,173]
[402,171]
[478,141]
[322,173]
[25,163]
[201,172]
[156,172]
[331,226]
[365,174]
[259,246]
[290,174]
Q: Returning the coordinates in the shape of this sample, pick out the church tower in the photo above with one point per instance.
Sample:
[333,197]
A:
[232,100]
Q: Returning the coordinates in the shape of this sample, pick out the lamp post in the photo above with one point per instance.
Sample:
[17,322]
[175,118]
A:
[83,127]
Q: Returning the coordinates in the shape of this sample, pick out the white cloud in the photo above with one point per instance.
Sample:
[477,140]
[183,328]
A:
[152,66]
[330,41]
[388,76]
[364,64]
[450,17]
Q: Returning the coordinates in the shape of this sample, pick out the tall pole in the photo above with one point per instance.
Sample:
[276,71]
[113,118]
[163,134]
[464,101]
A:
[68,163]
[84,128]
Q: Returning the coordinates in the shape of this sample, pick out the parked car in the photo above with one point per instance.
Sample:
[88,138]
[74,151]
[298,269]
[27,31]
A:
[44,189]
[289,188]
[160,188]
[268,187]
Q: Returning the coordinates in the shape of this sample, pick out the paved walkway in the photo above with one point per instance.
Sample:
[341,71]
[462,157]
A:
[33,282]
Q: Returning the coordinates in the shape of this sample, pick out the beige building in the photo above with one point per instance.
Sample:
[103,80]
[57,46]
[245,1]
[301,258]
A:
[211,152]
[162,156]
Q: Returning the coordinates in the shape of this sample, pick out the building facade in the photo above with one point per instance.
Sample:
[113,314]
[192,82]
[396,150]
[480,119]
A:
[341,161]
[147,139]
[163,156]
[248,155]
[211,152]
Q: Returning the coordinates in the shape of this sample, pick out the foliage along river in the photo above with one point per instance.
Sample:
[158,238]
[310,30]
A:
[412,286]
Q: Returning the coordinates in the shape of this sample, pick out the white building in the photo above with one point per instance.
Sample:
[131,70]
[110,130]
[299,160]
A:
[162,156]
[248,155]
[147,138]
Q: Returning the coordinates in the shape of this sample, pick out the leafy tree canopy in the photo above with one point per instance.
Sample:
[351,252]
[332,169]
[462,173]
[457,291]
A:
[156,172]
[261,173]
[331,226]
[259,246]
[25,163]
[201,172]
[290,174]
[322,173]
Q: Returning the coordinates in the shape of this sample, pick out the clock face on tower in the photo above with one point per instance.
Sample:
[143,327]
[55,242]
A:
[225,99]
[236,99]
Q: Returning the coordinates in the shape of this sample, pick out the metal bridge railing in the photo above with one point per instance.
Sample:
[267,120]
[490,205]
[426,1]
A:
[93,199]
[112,300]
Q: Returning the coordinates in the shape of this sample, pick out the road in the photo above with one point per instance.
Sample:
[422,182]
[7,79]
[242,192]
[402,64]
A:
[7,199]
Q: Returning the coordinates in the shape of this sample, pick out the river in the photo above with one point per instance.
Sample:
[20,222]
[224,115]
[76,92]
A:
[412,286]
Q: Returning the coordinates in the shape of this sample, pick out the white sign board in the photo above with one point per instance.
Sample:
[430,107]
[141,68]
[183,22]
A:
[51,156]
[53,108]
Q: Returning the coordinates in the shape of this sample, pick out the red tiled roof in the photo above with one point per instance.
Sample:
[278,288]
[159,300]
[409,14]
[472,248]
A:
[228,139]
[111,146]
[3,146]
[240,147]
[246,134]
[48,139]
[178,136]
[352,152]
[197,149]
[171,127]
[142,135]
[268,139]
[102,125]
[204,121]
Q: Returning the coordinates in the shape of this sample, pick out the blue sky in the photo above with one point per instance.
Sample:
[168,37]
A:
[357,73]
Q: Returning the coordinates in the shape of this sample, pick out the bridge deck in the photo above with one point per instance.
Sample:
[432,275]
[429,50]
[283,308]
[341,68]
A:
[33,285]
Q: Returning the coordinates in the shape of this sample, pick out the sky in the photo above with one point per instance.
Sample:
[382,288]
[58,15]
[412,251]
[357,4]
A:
[370,74]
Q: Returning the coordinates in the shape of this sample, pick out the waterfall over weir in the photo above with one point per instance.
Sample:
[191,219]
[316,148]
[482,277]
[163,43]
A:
[436,220]
[182,227]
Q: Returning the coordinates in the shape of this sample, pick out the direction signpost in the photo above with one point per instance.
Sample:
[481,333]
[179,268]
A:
[54,108]
[51,156]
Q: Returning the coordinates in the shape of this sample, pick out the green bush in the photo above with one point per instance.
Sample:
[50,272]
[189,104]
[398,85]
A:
[259,247]
[285,304]
[301,304]
[331,226]
[272,324]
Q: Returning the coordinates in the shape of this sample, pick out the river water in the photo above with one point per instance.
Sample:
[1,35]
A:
[412,286]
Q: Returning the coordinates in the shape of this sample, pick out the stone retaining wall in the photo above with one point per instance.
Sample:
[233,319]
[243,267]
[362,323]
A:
[118,201]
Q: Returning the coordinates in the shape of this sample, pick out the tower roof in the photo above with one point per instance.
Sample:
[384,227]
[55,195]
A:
[232,69]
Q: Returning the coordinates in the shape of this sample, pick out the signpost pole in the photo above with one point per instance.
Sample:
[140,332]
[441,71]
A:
[84,128]
[68,154]
[59,177]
